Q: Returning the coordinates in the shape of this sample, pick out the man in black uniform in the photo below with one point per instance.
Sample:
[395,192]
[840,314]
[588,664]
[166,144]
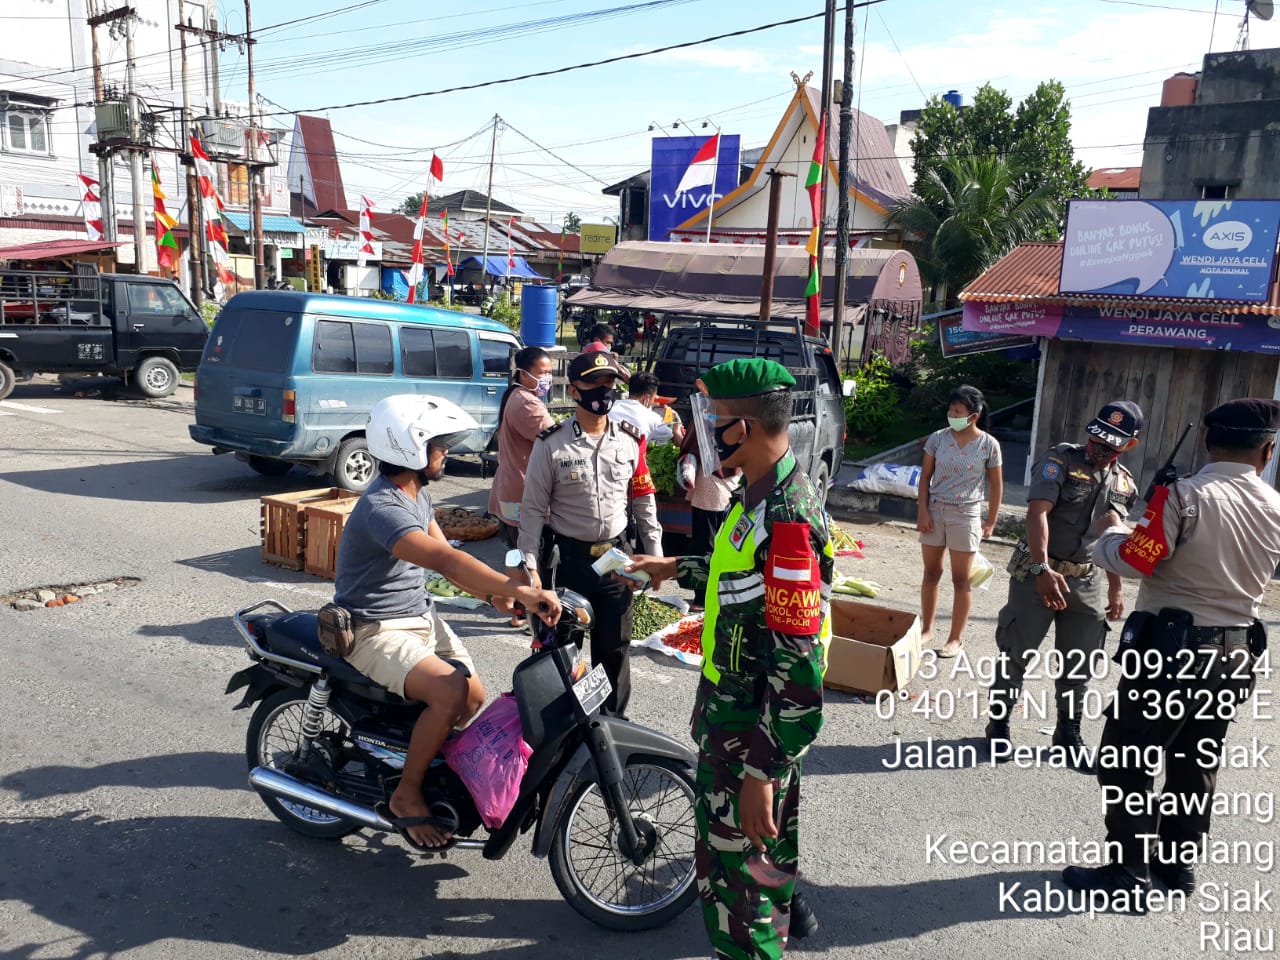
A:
[1052,582]
[1206,550]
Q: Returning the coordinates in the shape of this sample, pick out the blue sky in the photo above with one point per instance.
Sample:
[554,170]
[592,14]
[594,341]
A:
[1111,55]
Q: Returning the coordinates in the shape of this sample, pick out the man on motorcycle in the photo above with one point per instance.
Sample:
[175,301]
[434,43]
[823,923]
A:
[400,640]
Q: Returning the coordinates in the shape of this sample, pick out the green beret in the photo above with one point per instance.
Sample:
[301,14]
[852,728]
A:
[746,378]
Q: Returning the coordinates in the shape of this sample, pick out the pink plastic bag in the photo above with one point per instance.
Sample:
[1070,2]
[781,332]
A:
[491,757]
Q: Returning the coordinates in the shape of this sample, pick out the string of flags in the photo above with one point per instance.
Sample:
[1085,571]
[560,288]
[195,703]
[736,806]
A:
[416,269]
[813,183]
[91,205]
[366,232]
[211,208]
[167,250]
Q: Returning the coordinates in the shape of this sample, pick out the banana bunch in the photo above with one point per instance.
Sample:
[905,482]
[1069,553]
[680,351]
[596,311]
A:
[852,586]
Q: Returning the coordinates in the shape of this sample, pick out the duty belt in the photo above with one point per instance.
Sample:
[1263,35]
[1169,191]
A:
[595,551]
[1228,638]
[1068,569]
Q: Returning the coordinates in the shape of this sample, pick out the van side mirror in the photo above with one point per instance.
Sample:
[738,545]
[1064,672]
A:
[849,388]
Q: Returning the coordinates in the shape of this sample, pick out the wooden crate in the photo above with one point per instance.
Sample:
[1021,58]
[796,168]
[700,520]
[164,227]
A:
[325,522]
[284,520]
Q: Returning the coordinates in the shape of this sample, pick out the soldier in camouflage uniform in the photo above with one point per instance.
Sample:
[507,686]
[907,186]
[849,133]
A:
[764,642]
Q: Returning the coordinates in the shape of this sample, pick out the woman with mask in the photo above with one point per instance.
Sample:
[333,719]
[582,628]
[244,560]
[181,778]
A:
[522,415]
[959,461]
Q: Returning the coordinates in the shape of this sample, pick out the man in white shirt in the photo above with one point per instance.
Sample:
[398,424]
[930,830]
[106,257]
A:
[637,410]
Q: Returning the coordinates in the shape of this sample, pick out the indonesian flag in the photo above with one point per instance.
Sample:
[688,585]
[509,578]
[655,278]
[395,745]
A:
[511,245]
[793,588]
[366,231]
[813,183]
[211,207]
[437,167]
[702,169]
[415,270]
[91,204]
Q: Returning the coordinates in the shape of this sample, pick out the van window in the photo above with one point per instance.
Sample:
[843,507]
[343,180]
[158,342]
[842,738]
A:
[435,352]
[373,348]
[495,356]
[417,352]
[258,340]
[335,350]
[453,354]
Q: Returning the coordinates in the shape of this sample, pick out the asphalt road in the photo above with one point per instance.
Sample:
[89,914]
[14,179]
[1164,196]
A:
[127,828]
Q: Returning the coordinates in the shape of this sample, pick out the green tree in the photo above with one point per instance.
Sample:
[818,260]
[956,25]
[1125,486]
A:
[1035,139]
[970,211]
[572,222]
[410,206]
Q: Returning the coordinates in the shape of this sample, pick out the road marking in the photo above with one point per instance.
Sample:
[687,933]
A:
[27,407]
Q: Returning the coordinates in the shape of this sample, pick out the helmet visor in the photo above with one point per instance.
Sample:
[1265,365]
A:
[447,441]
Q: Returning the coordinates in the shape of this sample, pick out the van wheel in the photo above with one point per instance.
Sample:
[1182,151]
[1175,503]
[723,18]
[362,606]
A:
[268,467]
[7,380]
[354,467]
[820,477]
[155,377]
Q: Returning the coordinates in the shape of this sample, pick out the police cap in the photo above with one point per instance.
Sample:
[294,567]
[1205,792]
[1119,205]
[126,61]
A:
[1247,415]
[746,377]
[1117,423]
[587,366]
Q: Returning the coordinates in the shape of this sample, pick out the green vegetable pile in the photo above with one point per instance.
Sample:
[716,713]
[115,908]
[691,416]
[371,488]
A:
[650,616]
[443,588]
[662,468]
[854,587]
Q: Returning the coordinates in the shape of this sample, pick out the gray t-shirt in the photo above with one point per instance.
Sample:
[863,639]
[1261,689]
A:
[371,582]
[960,473]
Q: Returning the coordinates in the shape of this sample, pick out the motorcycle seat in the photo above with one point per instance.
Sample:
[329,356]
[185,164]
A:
[295,635]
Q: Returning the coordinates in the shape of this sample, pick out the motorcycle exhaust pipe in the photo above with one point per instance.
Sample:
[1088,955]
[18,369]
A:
[277,784]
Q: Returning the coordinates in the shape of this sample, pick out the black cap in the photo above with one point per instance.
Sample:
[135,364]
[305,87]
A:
[1117,423]
[585,366]
[1247,415]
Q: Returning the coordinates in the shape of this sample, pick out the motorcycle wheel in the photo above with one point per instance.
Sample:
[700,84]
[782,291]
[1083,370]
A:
[270,742]
[587,862]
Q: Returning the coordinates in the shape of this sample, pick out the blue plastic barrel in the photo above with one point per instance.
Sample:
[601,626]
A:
[538,312]
[954,97]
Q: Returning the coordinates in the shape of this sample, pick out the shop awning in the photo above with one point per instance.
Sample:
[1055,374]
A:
[498,267]
[276,228]
[52,249]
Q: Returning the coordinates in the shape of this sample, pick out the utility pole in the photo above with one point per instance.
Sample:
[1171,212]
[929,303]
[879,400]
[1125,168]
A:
[828,55]
[195,246]
[771,243]
[255,170]
[488,207]
[842,214]
[215,51]
[105,192]
[135,149]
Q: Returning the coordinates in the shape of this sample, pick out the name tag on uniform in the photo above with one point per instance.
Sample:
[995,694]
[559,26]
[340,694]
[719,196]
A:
[740,530]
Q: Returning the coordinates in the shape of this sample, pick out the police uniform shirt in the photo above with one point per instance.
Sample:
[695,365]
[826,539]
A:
[1069,480]
[1222,531]
[580,486]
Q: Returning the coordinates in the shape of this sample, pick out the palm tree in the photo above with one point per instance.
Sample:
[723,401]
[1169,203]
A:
[973,210]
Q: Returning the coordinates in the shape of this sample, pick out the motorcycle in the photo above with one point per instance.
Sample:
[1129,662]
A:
[609,802]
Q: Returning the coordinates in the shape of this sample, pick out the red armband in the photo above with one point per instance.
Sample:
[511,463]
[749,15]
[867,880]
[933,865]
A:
[641,481]
[792,587]
[1147,546]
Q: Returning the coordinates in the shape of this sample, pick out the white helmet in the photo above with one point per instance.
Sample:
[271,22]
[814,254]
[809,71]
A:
[401,427]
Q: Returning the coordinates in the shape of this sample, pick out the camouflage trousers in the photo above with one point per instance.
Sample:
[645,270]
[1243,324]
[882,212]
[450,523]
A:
[745,894]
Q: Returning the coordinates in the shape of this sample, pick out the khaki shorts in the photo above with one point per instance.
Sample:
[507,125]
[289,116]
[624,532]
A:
[957,528]
[385,651]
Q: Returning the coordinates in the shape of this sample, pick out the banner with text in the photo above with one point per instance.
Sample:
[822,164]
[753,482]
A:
[1185,249]
[1027,319]
[1191,329]
[668,205]
[958,341]
[597,237]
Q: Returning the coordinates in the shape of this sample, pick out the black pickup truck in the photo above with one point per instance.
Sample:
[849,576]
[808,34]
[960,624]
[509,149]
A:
[136,327]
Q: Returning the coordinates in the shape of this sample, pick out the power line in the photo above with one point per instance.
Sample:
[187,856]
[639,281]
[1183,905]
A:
[580,66]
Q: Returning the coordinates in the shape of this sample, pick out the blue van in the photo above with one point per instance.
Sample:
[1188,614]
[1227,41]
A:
[289,377]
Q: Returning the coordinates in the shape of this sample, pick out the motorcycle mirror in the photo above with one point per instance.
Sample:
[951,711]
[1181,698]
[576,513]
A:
[514,558]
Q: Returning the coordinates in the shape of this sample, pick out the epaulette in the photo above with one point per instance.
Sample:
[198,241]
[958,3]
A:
[630,429]
[553,428]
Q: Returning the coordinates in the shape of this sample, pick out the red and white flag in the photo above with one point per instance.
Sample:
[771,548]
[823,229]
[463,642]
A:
[91,204]
[511,245]
[437,167]
[702,169]
[211,207]
[415,268]
[366,231]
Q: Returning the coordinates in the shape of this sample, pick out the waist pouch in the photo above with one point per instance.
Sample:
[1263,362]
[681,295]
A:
[336,630]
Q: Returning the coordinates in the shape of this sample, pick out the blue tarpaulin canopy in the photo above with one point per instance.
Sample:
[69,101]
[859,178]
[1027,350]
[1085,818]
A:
[498,267]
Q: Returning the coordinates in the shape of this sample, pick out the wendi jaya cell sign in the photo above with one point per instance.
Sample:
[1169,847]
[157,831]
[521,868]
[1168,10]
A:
[1184,249]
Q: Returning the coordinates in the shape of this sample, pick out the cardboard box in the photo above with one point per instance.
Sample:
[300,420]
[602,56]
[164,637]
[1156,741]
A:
[873,648]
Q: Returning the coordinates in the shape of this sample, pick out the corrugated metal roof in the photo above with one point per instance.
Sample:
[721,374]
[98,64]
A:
[1116,178]
[55,248]
[322,162]
[1032,271]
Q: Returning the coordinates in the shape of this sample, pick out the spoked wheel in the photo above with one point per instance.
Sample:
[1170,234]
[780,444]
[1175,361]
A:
[600,881]
[272,740]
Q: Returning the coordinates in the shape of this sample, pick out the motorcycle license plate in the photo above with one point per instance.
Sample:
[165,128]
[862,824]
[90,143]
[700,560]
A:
[593,689]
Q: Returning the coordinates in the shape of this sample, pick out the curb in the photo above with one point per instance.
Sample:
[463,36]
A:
[853,506]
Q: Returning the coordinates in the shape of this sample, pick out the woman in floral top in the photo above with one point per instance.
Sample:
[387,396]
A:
[957,461]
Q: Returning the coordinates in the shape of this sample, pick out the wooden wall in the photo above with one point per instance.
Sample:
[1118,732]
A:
[1173,388]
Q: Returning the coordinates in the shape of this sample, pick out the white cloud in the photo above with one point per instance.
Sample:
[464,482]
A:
[741,59]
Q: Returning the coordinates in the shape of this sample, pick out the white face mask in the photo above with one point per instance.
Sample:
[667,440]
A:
[958,423]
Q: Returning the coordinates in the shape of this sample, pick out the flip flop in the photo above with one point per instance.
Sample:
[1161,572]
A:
[402,824]
[945,654]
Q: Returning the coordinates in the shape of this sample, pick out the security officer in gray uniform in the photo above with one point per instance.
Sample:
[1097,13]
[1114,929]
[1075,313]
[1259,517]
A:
[575,508]
[1052,580]
[1217,540]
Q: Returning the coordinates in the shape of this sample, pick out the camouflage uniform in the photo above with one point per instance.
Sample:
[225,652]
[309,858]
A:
[759,703]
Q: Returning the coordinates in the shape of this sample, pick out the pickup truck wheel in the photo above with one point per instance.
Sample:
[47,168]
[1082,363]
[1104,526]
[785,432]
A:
[821,475]
[7,380]
[156,377]
[354,467]
[268,467]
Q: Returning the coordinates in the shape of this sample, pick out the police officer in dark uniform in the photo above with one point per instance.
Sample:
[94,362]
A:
[1052,580]
[575,508]
[1205,550]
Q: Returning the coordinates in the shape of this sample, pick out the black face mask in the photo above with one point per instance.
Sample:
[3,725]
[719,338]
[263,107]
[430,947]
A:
[1100,454]
[599,400]
[725,450]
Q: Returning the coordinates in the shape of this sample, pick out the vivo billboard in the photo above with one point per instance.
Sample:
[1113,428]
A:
[682,172]
[1187,249]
